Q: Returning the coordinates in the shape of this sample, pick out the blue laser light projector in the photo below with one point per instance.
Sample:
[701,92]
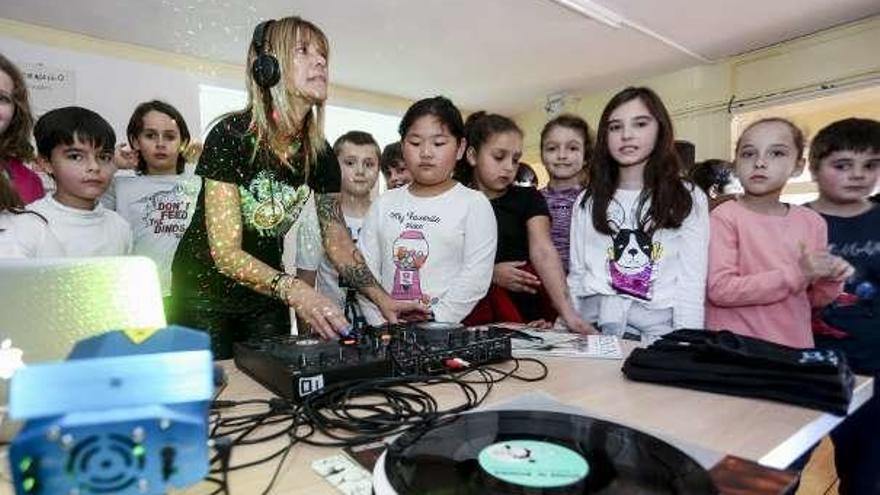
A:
[125,414]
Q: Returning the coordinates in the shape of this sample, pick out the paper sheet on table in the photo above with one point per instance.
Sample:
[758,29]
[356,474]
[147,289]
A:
[564,344]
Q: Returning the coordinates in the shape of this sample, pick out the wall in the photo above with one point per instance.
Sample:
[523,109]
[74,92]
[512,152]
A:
[698,97]
[112,78]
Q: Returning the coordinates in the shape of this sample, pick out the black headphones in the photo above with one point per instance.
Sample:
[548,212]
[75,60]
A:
[265,69]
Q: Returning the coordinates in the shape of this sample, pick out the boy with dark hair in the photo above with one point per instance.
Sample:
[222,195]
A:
[393,168]
[845,163]
[75,146]
[358,155]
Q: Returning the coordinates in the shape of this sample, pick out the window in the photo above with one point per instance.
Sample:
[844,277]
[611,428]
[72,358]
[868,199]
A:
[811,115]
[215,101]
[340,120]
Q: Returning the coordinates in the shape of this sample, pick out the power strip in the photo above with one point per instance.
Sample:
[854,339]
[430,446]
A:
[347,476]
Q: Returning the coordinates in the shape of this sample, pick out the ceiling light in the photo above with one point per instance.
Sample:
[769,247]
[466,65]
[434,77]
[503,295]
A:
[594,11]
[598,13]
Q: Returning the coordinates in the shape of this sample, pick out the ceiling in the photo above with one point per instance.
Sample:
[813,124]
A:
[501,55]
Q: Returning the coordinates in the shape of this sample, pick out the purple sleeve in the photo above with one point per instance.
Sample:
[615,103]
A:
[559,205]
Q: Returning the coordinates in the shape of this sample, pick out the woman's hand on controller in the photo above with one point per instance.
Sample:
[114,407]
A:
[322,314]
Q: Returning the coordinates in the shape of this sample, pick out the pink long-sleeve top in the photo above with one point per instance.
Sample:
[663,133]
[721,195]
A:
[26,182]
[755,286]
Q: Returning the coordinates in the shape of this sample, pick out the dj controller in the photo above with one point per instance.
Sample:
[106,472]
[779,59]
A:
[294,367]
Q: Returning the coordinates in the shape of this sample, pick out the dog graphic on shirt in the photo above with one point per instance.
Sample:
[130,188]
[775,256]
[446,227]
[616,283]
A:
[633,254]
[631,262]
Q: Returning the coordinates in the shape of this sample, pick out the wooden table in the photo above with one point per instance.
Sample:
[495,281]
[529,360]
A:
[769,433]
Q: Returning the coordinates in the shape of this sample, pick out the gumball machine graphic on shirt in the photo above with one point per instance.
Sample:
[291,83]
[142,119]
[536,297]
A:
[410,253]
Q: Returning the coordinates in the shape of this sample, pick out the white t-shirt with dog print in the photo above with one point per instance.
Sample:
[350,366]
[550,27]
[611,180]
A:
[440,250]
[635,281]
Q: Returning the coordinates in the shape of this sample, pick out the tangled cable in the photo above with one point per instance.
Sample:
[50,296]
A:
[348,413]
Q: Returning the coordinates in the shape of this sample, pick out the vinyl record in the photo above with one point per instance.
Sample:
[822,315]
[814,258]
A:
[533,452]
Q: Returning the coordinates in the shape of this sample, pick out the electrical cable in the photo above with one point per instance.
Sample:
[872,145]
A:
[352,413]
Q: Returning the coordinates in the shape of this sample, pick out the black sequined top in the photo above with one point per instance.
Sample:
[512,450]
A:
[272,196]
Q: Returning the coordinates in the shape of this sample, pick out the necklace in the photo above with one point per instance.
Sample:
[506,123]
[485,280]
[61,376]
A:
[285,153]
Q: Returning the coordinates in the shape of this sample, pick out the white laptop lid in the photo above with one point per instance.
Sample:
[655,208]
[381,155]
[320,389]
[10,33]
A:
[48,304]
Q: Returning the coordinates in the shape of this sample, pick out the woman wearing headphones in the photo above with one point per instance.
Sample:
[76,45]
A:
[259,167]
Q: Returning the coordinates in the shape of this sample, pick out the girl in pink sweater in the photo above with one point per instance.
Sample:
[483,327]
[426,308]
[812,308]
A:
[768,261]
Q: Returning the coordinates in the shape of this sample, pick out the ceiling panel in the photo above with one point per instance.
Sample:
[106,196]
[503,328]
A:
[502,55]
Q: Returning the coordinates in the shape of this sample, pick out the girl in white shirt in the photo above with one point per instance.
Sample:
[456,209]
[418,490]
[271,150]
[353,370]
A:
[640,234]
[23,233]
[434,240]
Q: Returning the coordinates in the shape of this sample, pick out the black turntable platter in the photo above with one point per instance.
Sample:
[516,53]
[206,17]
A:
[532,452]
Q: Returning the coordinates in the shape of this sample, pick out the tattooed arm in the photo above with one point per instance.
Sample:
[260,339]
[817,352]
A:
[224,227]
[223,223]
[349,262]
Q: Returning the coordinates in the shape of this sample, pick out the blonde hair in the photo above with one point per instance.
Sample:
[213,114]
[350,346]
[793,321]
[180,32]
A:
[272,115]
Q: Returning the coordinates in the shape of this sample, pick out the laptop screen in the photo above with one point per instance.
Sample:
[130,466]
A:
[48,304]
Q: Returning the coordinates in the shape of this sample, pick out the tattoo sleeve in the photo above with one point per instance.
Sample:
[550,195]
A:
[329,211]
[224,229]
[339,246]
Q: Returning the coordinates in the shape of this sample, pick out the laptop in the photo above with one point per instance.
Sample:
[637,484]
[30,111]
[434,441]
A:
[48,304]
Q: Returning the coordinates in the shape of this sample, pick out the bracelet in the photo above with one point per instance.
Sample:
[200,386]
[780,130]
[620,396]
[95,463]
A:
[274,284]
[284,287]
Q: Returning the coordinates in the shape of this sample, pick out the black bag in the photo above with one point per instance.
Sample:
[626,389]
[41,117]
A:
[728,363]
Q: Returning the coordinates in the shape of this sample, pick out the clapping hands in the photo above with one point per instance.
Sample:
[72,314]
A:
[822,265]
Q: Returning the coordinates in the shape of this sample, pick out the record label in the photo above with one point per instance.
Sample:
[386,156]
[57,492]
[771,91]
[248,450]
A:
[533,464]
